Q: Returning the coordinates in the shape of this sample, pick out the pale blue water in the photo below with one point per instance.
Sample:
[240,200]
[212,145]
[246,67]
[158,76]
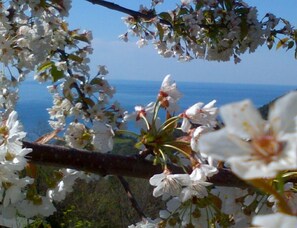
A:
[35,98]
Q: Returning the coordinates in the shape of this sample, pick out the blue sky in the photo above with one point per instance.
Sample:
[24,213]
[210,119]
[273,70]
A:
[127,61]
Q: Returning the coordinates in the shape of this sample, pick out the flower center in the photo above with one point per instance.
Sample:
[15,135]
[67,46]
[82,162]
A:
[267,148]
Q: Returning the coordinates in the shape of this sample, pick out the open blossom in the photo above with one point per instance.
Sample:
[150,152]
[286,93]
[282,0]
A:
[103,136]
[102,70]
[196,136]
[199,114]
[28,209]
[140,113]
[169,183]
[77,135]
[169,94]
[256,148]
[197,186]
[146,223]
[277,220]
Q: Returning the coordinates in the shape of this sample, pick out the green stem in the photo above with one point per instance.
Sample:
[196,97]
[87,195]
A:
[146,122]
[164,159]
[121,132]
[178,149]
[266,187]
[156,111]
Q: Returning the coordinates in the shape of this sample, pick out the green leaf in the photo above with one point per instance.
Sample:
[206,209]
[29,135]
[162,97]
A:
[161,31]
[75,58]
[88,101]
[183,11]
[44,66]
[270,42]
[243,28]
[56,74]
[81,37]
[282,42]
[166,16]
[96,81]
[290,45]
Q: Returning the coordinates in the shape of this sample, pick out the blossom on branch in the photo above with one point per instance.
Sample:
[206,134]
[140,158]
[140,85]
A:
[256,148]
[277,220]
[169,94]
[169,183]
[199,114]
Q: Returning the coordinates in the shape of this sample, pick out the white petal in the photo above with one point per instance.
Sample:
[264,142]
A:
[186,125]
[246,169]
[157,179]
[243,119]
[283,112]
[221,145]
[193,109]
[159,190]
[210,104]
[277,220]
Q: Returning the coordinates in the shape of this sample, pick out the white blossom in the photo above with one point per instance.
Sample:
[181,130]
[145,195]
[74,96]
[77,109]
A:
[253,147]
[277,220]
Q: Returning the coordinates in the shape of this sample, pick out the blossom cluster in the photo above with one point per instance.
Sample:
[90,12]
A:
[256,150]
[35,36]
[212,30]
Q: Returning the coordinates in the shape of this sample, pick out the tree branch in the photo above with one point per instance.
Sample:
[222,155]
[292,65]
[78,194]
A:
[131,197]
[136,14]
[111,164]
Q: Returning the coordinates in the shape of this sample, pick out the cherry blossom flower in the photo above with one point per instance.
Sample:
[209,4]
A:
[253,147]
[169,183]
[169,94]
[102,70]
[196,136]
[277,220]
[29,209]
[141,112]
[146,223]
[77,135]
[197,186]
[103,136]
[199,114]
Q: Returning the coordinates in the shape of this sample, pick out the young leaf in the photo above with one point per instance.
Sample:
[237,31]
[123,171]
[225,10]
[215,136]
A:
[290,45]
[75,58]
[282,42]
[56,74]
[44,66]
[161,31]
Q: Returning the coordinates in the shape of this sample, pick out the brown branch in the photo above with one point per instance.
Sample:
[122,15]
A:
[131,197]
[111,164]
[136,14]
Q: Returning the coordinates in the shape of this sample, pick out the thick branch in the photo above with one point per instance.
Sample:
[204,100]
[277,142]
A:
[136,14]
[111,164]
[119,8]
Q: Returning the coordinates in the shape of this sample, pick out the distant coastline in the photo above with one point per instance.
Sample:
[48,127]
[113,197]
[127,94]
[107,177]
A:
[34,97]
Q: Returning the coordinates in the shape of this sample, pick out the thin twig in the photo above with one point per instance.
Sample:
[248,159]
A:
[136,14]
[131,197]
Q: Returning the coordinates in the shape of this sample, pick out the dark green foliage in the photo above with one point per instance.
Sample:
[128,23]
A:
[103,203]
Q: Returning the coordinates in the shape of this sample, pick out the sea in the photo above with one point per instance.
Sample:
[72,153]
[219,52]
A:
[35,99]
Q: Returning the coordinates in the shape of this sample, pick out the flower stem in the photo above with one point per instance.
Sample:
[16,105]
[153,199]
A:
[266,187]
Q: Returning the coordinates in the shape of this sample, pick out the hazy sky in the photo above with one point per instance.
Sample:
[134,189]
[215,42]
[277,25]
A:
[127,61]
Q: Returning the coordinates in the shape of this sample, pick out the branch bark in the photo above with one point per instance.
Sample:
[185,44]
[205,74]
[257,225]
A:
[136,14]
[111,164]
